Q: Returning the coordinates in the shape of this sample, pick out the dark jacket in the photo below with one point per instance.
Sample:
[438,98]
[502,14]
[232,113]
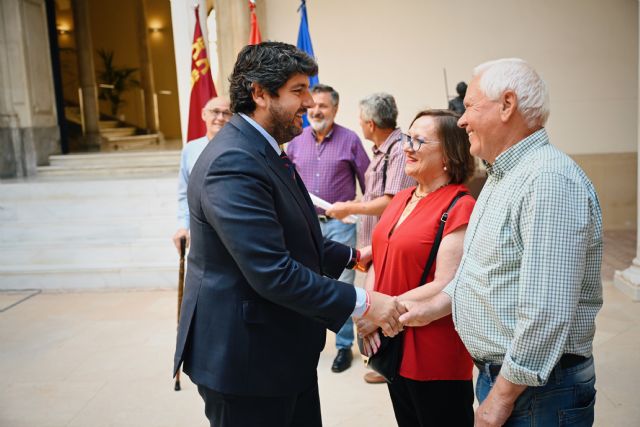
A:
[256,306]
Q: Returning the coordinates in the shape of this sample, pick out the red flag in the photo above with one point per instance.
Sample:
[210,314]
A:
[254,37]
[202,88]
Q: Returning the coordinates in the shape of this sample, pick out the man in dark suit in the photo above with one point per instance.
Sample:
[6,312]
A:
[257,300]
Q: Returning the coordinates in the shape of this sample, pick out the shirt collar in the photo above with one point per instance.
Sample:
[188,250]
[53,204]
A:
[394,136]
[514,155]
[271,140]
[326,137]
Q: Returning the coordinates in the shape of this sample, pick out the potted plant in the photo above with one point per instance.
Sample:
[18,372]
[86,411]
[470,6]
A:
[114,81]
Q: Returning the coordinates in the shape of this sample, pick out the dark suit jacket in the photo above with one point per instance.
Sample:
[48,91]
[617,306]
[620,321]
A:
[256,305]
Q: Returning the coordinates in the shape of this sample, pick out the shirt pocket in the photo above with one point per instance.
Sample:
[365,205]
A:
[373,182]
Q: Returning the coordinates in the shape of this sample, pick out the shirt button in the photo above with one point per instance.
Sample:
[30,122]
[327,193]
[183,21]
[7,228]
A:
[318,158]
[317,174]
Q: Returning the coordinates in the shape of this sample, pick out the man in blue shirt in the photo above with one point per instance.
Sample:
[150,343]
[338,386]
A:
[215,114]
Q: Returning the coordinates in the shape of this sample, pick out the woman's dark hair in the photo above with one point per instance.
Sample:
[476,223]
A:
[270,64]
[455,144]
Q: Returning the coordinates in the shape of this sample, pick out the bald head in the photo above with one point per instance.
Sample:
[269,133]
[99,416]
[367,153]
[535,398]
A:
[215,114]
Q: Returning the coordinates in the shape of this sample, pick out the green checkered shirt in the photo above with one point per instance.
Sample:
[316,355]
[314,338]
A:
[528,287]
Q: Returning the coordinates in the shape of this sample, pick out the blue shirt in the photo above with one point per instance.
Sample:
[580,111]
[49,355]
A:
[190,154]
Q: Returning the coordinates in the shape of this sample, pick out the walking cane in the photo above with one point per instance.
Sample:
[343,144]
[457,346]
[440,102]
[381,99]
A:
[183,244]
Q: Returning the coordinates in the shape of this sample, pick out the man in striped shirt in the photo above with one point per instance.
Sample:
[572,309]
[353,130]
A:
[385,175]
[526,294]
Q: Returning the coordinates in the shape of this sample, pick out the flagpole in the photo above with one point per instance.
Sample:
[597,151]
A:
[304,44]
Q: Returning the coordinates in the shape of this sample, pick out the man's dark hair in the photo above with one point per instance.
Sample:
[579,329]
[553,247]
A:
[270,64]
[455,144]
[320,88]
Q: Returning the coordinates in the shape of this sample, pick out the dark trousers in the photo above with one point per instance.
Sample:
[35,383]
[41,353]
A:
[225,410]
[432,403]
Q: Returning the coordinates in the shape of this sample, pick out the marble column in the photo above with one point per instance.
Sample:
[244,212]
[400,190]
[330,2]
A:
[29,131]
[86,74]
[233,26]
[628,281]
[146,69]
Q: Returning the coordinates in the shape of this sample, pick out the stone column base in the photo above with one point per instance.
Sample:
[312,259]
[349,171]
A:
[628,281]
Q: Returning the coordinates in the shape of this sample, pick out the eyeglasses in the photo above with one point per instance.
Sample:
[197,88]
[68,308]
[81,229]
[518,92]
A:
[414,144]
[224,113]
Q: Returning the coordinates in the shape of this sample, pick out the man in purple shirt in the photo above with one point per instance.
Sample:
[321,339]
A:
[329,157]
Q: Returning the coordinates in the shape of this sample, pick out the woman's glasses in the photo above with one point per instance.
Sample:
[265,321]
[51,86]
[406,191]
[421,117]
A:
[414,143]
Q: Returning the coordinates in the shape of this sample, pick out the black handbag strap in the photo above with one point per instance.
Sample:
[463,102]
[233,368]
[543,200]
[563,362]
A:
[438,239]
[386,163]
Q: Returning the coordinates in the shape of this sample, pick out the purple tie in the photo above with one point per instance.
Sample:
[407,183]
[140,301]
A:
[289,165]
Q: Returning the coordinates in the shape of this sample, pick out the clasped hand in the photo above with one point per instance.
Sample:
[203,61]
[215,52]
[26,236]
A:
[411,313]
[384,312]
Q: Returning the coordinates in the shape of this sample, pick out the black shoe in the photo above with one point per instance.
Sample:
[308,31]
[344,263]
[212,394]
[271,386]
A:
[343,359]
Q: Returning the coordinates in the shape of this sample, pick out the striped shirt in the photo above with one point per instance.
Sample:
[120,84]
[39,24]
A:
[528,287]
[396,180]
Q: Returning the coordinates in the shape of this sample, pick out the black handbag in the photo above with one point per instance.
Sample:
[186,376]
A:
[387,359]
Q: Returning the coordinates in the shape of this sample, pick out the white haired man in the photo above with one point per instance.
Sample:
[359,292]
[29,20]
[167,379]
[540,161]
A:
[526,294]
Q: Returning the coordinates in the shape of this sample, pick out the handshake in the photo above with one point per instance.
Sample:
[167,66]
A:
[384,312]
[392,315]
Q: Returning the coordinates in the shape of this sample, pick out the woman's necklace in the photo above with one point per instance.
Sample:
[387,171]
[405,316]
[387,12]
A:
[421,196]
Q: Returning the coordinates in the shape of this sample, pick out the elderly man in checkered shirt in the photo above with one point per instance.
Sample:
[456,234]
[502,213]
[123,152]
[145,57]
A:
[526,294]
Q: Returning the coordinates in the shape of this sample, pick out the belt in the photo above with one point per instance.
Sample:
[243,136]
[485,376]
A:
[567,361]
[324,218]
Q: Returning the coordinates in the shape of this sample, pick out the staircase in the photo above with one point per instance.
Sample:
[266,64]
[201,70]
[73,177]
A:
[85,233]
[120,164]
[114,136]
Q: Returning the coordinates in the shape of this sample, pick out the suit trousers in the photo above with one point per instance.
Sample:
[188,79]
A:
[298,410]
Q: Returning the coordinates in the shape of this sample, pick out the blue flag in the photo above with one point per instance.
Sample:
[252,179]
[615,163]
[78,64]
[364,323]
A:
[304,44]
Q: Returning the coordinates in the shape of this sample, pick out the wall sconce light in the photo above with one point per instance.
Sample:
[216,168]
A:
[155,28]
[63,30]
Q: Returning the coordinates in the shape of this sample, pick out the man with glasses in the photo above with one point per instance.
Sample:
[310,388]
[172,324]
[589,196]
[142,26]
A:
[215,114]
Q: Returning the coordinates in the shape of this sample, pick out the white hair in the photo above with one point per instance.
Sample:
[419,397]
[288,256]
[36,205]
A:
[517,75]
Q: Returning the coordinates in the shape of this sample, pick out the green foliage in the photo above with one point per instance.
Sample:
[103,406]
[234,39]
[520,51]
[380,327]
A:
[121,80]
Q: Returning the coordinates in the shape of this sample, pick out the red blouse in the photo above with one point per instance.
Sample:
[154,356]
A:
[435,351]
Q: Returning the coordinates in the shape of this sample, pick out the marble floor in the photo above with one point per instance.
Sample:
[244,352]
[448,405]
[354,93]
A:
[104,359]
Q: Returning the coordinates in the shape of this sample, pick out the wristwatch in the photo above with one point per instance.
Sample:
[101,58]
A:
[355,257]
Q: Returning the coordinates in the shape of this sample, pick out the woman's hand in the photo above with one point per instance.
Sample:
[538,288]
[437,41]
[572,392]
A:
[421,313]
[365,327]
[371,343]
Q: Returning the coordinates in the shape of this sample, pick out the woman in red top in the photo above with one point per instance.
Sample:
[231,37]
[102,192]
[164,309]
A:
[434,386]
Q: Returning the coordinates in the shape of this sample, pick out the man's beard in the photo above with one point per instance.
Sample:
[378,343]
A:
[283,124]
[319,126]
